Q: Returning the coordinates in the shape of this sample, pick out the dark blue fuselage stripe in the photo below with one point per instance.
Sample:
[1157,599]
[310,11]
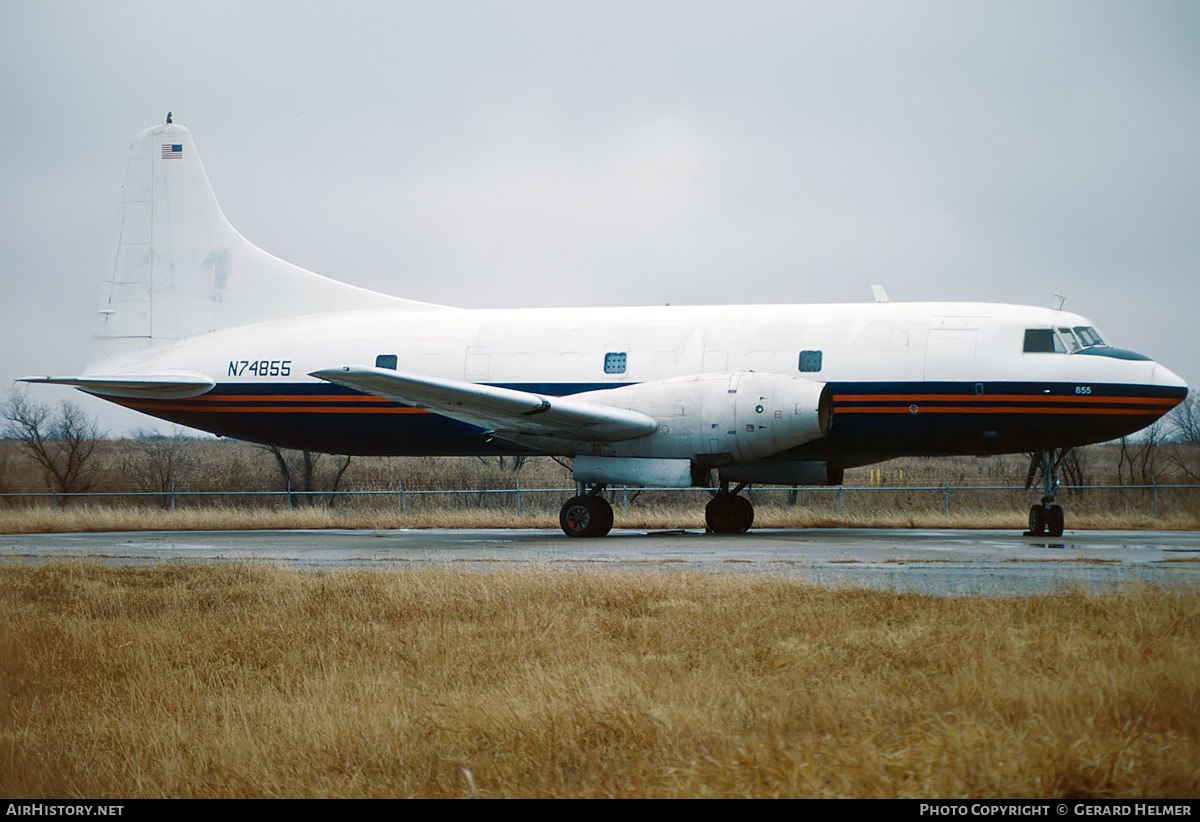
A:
[324,417]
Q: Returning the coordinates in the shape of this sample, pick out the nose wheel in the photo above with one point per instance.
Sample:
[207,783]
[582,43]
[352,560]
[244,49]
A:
[1046,519]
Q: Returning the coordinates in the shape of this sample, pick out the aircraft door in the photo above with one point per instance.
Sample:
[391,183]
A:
[950,355]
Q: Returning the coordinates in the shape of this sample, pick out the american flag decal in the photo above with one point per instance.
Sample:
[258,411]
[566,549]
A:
[172,152]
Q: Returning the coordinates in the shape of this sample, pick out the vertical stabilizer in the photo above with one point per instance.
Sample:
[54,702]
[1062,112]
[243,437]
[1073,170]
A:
[180,269]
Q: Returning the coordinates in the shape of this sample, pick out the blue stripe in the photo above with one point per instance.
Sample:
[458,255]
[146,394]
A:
[853,440]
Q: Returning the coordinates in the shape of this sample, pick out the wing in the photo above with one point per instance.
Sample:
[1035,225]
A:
[149,386]
[503,411]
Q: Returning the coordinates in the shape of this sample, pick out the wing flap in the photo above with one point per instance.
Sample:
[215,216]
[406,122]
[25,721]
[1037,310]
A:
[502,410]
[147,386]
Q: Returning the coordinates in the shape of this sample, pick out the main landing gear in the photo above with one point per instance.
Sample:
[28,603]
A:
[727,513]
[1047,518]
[587,514]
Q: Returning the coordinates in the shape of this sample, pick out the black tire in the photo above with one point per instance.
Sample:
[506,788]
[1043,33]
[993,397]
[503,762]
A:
[1037,520]
[744,511]
[1054,520]
[606,511]
[728,514]
[586,516]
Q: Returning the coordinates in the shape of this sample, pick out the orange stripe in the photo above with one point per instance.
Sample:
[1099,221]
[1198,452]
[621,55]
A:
[873,409]
[1000,398]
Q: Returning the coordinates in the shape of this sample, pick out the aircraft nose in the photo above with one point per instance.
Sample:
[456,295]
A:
[1167,378]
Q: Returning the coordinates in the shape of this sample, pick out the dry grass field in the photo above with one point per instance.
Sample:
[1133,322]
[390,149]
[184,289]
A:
[893,512]
[238,680]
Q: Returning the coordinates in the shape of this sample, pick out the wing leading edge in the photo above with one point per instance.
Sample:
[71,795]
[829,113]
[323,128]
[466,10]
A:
[503,411]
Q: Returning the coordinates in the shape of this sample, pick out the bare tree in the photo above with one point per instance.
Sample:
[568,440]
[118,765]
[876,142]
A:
[1184,420]
[1075,467]
[301,474]
[159,462]
[1137,459]
[515,466]
[5,468]
[63,443]
[1184,455]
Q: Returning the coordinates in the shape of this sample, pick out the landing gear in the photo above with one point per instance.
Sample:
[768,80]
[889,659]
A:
[728,513]
[1047,518]
[586,515]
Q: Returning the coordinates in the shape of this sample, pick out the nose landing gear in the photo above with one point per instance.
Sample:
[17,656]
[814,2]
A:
[1046,518]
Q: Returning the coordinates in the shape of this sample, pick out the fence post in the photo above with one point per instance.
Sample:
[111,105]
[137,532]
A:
[1155,495]
[946,509]
[839,502]
[172,495]
[518,481]
[400,485]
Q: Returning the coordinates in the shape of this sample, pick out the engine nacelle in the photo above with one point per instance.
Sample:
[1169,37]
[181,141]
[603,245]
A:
[719,419]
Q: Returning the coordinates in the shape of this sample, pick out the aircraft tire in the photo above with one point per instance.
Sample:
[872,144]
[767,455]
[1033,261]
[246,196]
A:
[1037,520]
[586,516]
[728,514]
[1054,520]
[744,512]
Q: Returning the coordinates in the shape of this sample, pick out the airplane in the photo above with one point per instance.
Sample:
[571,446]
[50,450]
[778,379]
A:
[204,329]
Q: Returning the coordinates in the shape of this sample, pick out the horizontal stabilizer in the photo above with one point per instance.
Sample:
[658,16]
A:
[148,386]
[504,411]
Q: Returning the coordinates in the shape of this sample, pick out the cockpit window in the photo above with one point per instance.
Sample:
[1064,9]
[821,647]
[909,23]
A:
[1042,341]
[1068,338]
[1062,340]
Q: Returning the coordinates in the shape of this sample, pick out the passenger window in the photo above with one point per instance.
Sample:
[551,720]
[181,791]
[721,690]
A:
[810,360]
[614,362]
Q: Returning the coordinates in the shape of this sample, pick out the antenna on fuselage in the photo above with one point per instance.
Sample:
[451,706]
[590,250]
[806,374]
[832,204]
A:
[881,296]
[1059,299]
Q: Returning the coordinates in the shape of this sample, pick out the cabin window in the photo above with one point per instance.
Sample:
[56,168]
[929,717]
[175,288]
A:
[386,361]
[810,360]
[614,362]
[1042,341]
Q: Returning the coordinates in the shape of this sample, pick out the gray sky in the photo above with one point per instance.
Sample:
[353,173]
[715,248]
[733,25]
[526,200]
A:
[623,153]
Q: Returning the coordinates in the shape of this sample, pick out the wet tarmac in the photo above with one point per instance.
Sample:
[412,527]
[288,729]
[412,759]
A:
[944,562]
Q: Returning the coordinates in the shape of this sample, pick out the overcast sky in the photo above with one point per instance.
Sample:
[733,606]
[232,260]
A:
[623,153]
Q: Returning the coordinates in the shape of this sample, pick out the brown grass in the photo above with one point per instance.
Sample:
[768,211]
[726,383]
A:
[657,516]
[247,680]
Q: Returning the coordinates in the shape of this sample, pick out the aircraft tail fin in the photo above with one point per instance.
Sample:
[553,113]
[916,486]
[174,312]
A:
[180,269]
